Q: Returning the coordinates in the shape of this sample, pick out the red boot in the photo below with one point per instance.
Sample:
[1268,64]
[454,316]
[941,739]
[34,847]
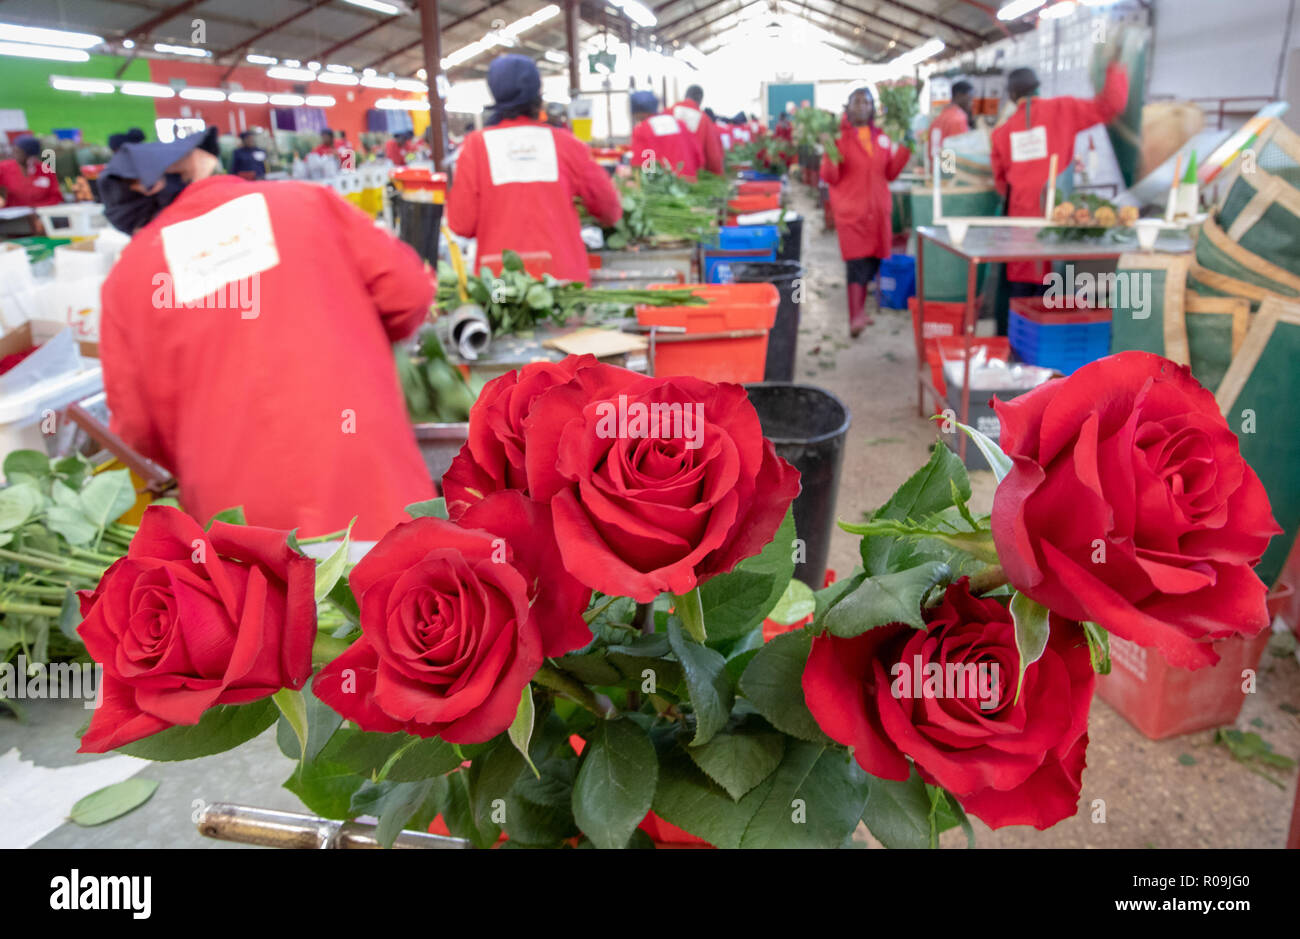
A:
[858,318]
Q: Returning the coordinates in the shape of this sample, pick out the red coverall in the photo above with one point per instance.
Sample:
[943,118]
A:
[293,411]
[514,189]
[699,123]
[951,121]
[40,188]
[859,190]
[1023,169]
[665,138]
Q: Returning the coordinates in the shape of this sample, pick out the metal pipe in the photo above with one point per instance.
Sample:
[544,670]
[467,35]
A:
[270,828]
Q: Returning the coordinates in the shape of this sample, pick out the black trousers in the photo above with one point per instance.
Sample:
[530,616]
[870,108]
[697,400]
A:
[861,270]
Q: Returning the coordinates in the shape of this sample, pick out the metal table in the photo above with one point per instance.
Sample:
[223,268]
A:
[1000,245]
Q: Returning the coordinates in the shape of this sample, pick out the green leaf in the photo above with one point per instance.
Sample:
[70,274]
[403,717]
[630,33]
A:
[707,681]
[946,813]
[294,708]
[1098,647]
[886,598]
[928,491]
[70,525]
[1031,621]
[796,603]
[231,516]
[367,753]
[325,787]
[739,761]
[17,505]
[107,496]
[394,803]
[521,728]
[616,783]
[430,508]
[70,615]
[735,603]
[827,597]
[773,683]
[458,814]
[221,728]
[113,801]
[490,779]
[898,812]
[690,611]
[331,569]
[998,461]
[26,462]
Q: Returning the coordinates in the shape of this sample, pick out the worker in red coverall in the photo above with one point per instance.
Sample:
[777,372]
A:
[398,146]
[516,179]
[702,125]
[25,181]
[1022,149]
[246,341]
[859,191]
[953,119]
[662,140]
[784,130]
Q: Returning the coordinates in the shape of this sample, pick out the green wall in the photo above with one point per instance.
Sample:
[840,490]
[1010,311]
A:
[25,84]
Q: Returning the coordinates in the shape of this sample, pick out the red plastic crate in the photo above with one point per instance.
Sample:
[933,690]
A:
[536,263]
[1036,310]
[936,350]
[941,318]
[753,203]
[759,187]
[748,309]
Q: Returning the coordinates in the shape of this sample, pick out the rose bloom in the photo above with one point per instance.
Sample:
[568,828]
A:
[177,636]
[1018,762]
[1129,504]
[642,506]
[455,621]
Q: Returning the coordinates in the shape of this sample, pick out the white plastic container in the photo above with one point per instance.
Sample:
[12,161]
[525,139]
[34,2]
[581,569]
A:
[72,219]
[24,414]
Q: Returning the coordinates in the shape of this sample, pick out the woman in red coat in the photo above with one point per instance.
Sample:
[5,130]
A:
[859,190]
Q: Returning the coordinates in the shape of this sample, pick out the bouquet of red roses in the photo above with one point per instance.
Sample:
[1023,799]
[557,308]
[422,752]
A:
[568,647]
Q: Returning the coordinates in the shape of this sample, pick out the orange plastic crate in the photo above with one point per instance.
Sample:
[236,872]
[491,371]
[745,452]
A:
[724,341]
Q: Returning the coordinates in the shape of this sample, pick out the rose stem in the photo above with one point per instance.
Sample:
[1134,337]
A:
[643,620]
[332,536]
[988,579]
[51,564]
[35,590]
[29,609]
[566,685]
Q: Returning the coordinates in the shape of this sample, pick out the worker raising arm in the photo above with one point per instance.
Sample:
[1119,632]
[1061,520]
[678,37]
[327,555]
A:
[516,179]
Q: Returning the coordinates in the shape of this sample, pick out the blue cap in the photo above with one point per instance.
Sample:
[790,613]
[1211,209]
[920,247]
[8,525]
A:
[514,80]
[147,162]
[644,102]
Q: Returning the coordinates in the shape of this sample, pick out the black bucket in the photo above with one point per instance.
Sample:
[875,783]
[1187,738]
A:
[790,247]
[807,425]
[784,337]
[417,224]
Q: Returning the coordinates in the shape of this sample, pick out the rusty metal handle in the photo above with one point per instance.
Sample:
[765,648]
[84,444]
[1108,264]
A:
[155,477]
[270,828]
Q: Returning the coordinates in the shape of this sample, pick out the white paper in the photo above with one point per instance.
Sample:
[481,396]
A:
[232,242]
[35,800]
[521,155]
[1029,145]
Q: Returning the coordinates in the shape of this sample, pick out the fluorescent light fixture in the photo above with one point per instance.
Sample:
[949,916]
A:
[84,85]
[320,101]
[49,37]
[148,90]
[400,104]
[637,12]
[334,78]
[379,6]
[28,51]
[377,81]
[203,94]
[256,59]
[552,55]
[410,84]
[922,52]
[1018,8]
[340,69]
[502,37]
[287,101]
[291,74]
[1057,10]
[421,74]
[293,63]
[247,97]
[313,66]
[128,43]
[369,72]
[168,48]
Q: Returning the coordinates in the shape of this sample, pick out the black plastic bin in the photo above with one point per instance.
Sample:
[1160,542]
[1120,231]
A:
[784,337]
[807,425]
[790,247]
[417,224]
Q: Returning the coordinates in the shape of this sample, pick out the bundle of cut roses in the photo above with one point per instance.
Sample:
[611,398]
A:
[568,649]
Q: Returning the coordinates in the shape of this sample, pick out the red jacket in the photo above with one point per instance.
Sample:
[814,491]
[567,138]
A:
[278,390]
[40,188]
[689,113]
[666,139]
[859,190]
[950,122]
[514,189]
[1020,172]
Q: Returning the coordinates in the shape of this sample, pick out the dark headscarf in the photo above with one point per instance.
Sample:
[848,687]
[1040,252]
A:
[128,209]
[643,102]
[516,87]
[28,146]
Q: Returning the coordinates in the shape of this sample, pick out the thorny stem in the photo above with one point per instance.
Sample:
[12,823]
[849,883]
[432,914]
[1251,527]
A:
[549,677]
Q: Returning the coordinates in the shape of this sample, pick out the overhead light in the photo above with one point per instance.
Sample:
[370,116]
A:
[334,78]
[379,6]
[180,50]
[922,52]
[128,43]
[293,63]
[637,12]
[11,32]
[203,94]
[410,84]
[502,37]
[148,90]
[287,101]
[247,97]
[421,74]
[1018,8]
[340,69]
[1057,10]
[86,85]
[320,101]
[313,66]
[291,74]
[377,81]
[28,51]
[400,104]
[368,72]
[551,55]
[261,59]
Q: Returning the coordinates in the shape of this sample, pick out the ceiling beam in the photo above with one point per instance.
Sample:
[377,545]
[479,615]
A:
[935,18]
[855,24]
[343,43]
[992,14]
[274,27]
[143,30]
[446,29]
[885,21]
[668,27]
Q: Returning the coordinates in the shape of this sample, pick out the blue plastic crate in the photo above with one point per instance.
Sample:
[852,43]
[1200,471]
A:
[739,243]
[897,281]
[748,237]
[755,176]
[1062,346]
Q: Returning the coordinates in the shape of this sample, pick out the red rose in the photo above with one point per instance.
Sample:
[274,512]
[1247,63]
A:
[1129,505]
[455,621]
[1018,762]
[493,457]
[191,619]
[654,483]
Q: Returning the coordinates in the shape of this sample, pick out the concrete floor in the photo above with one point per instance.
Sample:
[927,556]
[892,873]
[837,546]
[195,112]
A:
[1181,792]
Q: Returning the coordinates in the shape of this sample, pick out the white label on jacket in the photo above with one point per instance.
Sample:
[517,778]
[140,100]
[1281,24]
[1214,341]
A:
[664,125]
[884,142]
[740,134]
[233,242]
[521,155]
[1029,145]
[688,116]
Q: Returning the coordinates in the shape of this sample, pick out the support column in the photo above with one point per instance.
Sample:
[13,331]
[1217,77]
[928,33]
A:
[431,39]
[571,43]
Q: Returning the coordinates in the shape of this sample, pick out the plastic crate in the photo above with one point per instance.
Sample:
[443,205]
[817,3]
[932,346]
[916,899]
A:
[747,243]
[897,281]
[759,187]
[941,318]
[752,175]
[748,309]
[1066,339]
